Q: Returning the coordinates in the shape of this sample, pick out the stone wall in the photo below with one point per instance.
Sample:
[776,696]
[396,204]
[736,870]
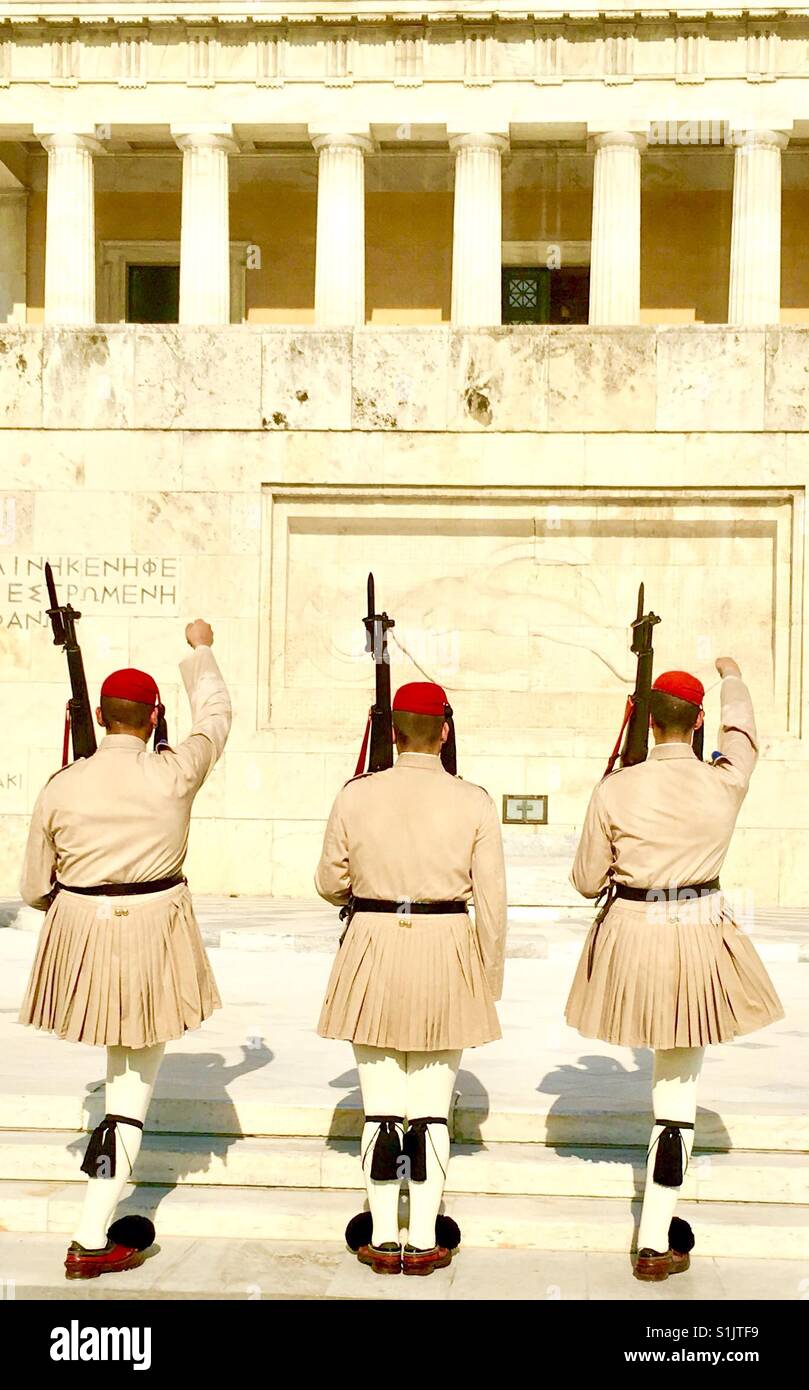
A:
[510,488]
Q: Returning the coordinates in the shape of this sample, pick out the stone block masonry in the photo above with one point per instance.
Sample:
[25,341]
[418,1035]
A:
[510,487]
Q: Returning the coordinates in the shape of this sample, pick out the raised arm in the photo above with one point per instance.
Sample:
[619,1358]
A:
[211,713]
[738,740]
[594,855]
[37,877]
[489,894]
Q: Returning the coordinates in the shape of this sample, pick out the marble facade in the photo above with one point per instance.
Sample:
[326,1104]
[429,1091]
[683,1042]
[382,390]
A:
[509,487]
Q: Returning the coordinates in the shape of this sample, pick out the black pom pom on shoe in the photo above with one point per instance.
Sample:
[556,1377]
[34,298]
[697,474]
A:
[681,1237]
[360,1227]
[447,1232]
[359,1231]
[136,1232]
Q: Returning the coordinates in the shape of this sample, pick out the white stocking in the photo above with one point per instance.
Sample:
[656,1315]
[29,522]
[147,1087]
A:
[430,1084]
[131,1075]
[383,1082]
[674,1097]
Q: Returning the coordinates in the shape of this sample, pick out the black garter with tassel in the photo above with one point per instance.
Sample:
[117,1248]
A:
[387,1148]
[669,1170]
[102,1145]
[415,1146]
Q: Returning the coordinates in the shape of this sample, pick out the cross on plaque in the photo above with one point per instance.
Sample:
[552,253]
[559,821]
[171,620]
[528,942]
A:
[525,810]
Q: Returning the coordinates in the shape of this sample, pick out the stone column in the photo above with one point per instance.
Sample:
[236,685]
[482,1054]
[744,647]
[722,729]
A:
[615,243]
[477,230]
[70,249]
[340,247]
[755,244]
[205,224]
[13,244]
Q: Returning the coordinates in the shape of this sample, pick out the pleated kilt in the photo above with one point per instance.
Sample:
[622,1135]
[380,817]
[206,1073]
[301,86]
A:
[125,971]
[679,974]
[420,988]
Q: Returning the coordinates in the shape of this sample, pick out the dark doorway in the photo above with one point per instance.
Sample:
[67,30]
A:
[152,293]
[570,294]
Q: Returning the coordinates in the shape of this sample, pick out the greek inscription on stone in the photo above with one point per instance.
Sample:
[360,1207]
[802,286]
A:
[92,583]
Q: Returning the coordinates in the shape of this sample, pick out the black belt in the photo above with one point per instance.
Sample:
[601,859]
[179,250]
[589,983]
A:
[125,890]
[614,890]
[404,907]
[675,894]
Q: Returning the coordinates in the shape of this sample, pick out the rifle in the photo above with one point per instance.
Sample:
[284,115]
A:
[636,715]
[79,716]
[380,724]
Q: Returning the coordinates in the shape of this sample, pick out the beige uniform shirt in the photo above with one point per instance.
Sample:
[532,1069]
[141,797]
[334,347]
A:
[415,832]
[121,816]
[668,821]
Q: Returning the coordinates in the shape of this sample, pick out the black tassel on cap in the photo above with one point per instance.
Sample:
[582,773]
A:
[415,1146]
[101,1153]
[449,756]
[387,1148]
[681,1237]
[670,1148]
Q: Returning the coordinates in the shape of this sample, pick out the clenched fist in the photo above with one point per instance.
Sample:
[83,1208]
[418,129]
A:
[199,633]
[726,666]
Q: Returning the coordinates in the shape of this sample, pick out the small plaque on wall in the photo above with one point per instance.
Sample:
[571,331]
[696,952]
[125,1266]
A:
[525,810]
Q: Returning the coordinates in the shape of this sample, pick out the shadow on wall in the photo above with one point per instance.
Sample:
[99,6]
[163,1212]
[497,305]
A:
[598,1086]
[194,1152]
[346,1125]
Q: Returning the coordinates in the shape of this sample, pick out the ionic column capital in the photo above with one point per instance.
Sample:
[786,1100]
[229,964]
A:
[478,140]
[762,139]
[341,140]
[205,137]
[69,140]
[622,139]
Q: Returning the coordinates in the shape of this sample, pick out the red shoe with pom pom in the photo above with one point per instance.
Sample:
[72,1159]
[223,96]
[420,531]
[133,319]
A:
[89,1264]
[128,1239]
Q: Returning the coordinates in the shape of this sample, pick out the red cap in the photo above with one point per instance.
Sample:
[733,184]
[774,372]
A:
[131,685]
[421,697]
[681,684]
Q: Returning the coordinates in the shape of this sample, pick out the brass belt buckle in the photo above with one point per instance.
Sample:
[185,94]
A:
[403,905]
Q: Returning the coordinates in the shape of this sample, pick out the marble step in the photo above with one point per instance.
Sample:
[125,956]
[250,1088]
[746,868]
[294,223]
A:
[519,1169]
[728,1230]
[474,1119]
